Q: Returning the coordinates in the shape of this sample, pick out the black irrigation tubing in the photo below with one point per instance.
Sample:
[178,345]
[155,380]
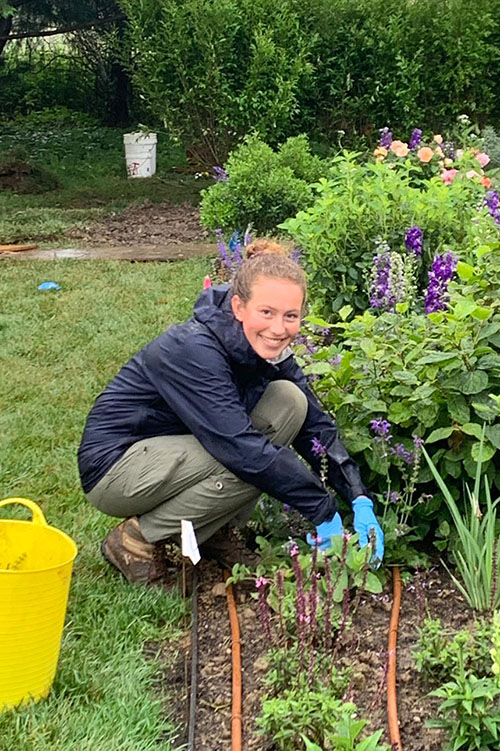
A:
[194,663]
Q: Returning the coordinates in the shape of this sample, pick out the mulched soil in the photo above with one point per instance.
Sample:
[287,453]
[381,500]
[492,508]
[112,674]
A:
[365,647]
[147,223]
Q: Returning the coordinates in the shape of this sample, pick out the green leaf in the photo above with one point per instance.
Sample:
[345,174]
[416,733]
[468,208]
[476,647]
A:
[373,583]
[428,414]
[434,357]
[399,412]
[481,313]
[463,308]
[345,312]
[458,409]
[465,270]
[439,434]
[493,435]
[375,405]
[405,376]
[469,382]
[488,451]
[472,428]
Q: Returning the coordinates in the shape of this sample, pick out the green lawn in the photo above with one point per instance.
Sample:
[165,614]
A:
[89,163]
[59,349]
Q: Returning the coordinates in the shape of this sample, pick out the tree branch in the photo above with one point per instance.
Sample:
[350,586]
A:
[64,30]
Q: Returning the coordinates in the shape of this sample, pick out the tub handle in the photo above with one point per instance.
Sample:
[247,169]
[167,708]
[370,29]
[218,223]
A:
[38,517]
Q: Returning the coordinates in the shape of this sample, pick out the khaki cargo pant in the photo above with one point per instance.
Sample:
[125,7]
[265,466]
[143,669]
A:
[168,478]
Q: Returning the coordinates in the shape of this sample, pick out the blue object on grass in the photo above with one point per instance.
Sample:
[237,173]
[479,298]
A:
[49,285]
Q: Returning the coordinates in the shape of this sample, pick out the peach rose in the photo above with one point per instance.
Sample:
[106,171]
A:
[425,154]
[380,153]
[399,148]
[486,182]
[439,151]
[448,175]
[471,174]
[448,162]
[438,138]
[483,159]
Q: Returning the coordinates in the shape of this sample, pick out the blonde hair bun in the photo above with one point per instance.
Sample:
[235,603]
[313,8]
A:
[266,246]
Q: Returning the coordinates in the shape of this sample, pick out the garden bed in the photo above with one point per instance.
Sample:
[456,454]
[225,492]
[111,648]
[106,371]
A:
[364,647]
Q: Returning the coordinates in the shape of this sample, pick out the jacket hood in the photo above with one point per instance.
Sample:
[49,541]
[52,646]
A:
[213,309]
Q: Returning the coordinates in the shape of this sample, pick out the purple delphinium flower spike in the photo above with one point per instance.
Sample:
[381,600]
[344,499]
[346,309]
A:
[415,139]
[492,202]
[238,253]
[414,240]
[385,138]
[219,174]
[224,253]
[441,272]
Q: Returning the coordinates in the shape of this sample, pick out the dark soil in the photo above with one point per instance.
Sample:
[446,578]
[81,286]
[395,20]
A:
[364,647]
[21,177]
[145,224]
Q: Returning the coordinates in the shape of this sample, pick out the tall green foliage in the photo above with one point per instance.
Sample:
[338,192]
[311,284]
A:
[214,71]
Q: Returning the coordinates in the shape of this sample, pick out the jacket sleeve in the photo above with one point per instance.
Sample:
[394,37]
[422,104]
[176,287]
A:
[196,380]
[343,472]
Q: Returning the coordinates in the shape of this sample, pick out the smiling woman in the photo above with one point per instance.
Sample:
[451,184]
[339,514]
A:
[199,422]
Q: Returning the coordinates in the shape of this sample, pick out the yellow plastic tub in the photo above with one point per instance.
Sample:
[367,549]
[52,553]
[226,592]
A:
[35,572]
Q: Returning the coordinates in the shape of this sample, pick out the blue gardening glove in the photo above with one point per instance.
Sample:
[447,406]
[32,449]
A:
[364,521]
[325,531]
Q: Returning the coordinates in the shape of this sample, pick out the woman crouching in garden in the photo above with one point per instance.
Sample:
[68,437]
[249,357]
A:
[201,421]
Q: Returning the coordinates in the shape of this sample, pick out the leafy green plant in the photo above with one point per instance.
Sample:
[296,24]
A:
[476,551]
[263,186]
[440,655]
[358,205]
[313,720]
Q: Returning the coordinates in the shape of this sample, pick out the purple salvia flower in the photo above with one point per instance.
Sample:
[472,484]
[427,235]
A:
[280,586]
[415,139]
[317,447]
[385,138]
[441,272]
[417,441]
[328,605]
[401,453]
[394,497]
[414,240]
[238,254]
[261,584]
[334,361]
[220,175]
[224,253]
[381,428]
[300,607]
[296,254]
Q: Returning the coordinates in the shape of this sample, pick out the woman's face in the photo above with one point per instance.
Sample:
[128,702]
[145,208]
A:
[271,317]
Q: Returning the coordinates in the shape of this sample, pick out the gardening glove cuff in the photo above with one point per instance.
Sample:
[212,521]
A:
[364,522]
[325,532]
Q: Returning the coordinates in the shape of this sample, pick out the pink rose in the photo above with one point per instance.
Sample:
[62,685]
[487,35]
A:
[472,173]
[448,175]
[399,148]
[483,159]
[459,153]
[438,139]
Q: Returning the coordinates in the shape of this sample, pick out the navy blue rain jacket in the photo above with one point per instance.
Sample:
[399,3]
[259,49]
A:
[203,378]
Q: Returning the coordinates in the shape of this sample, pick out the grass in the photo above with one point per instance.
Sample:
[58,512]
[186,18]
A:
[59,349]
[89,163]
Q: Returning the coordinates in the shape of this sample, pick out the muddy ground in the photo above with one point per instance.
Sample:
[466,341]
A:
[364,647]
[146,232]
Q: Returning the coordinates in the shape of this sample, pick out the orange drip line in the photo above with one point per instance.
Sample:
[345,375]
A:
[392,702]
[236,716]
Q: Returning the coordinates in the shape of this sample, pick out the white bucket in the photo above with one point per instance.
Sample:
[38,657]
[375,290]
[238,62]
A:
[140,154]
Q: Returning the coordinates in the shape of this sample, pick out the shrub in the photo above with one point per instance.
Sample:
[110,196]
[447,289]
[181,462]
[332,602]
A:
[263,186]
[361,205]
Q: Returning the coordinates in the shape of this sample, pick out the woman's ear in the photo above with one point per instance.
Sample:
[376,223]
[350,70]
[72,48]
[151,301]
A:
[238,307]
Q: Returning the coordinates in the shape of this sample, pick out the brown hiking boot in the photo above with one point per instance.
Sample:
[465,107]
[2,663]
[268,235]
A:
[136,558]
[227,547]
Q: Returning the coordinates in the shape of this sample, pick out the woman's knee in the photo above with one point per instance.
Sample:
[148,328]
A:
[281,412]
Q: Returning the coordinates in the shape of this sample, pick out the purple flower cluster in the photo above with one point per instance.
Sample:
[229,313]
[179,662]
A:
[441,272]
[381,428]
[220,175]
[415,139]
[414,240]
[223,250]
[385,138]
[387,281]
[400,452]
[492,201]
[317,447]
